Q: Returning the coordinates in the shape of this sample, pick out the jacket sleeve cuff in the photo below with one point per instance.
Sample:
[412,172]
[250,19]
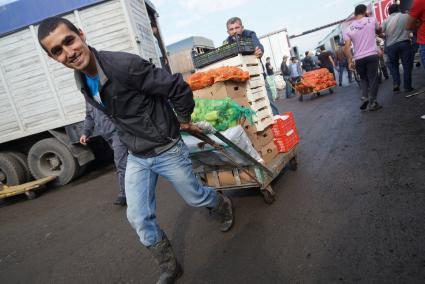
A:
[182,119]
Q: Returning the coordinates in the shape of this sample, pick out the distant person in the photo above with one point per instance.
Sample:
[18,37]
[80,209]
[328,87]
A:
[380,45]
[308,62]
[269,67]
[295,70]
[236,31]
[326,60]
[417,20]
[97,121]
[342,63]
[315,57]
[162,58]
[270,78]
[398,46]
[286,73]
[361,33]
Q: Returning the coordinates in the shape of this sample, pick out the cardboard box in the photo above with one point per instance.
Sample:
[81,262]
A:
[269,151]
[245,178]
[258,138]
[221,90]
[265,137]
[226,178]
[211,181]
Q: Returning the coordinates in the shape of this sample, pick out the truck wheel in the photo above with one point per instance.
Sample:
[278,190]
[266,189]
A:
[11,172]
[49,157]
[22,159]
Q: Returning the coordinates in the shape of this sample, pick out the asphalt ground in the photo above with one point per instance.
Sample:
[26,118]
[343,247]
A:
[353,212]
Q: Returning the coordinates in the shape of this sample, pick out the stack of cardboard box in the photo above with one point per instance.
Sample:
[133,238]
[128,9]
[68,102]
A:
[262,140]
[250,94]
[255,91]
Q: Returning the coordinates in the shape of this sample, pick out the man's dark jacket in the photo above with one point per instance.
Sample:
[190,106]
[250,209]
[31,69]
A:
[138,98]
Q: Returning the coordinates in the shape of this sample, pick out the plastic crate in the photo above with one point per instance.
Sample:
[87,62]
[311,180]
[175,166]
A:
[282,124]
[244,46]
[286,143]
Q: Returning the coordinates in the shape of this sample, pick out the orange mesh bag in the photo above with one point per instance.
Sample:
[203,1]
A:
[200,80]
[229,73]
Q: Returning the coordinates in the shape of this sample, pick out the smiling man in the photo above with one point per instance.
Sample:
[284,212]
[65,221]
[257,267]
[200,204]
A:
[138,98]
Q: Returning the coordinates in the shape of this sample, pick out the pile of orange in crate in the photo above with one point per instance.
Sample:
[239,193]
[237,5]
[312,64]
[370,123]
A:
[316,80]
[285,132]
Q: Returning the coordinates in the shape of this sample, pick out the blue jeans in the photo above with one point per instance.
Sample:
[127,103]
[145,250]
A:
[120,160]
[342,66]
[401,50]
[288,90]
[422,54]
[140,181]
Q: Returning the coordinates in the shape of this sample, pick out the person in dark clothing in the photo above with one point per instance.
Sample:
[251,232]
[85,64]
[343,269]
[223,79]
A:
[236,31]
[269,67]
[286,73]
[137,97]
[398,47]
[97,122]
[308,62]
[326,60]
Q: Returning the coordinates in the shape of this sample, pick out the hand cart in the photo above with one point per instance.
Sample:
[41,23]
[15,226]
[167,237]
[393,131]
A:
[314,92]
[256,175]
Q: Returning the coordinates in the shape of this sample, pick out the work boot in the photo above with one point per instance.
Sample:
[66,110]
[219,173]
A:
[373,106]
[224,210]
[121,201]
[169,269]
[364,104]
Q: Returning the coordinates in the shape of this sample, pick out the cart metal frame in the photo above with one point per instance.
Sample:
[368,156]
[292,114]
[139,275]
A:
[264,174]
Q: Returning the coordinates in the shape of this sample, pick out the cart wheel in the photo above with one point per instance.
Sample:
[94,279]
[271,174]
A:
[301,98]
[293,164]
[331,91]
[268,195]
[318,94]
[30,195]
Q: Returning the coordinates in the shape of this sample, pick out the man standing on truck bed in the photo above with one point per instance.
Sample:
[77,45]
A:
[138,98]
[236,31]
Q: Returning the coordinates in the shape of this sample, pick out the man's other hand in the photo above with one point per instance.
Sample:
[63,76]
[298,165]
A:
[258,52]
[84,139]
[189,127]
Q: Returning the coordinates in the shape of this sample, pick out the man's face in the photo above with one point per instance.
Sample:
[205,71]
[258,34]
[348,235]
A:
[235,29]
[68,48]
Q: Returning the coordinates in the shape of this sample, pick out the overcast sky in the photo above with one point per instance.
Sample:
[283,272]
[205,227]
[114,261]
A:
[180,19]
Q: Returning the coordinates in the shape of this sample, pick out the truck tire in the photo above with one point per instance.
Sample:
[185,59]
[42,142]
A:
[23,161]
[11,171]
[49,157]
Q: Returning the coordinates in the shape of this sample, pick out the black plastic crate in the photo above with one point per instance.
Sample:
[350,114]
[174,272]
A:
[244,47]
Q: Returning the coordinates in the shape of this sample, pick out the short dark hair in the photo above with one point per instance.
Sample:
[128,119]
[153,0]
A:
[394,8]
[360,10]
[322,48]
[267,58]
[233,20]
[48,25]
[306,53]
